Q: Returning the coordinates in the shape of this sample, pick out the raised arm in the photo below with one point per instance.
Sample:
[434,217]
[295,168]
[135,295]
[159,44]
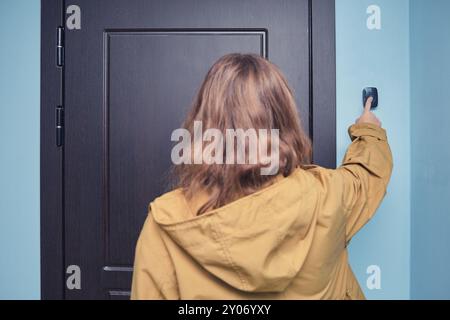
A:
[365,171]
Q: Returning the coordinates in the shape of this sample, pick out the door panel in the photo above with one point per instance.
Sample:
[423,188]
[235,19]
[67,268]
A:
[149,89]
[130,75]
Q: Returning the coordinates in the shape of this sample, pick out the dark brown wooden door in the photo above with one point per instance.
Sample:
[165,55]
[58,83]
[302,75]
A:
[131,69]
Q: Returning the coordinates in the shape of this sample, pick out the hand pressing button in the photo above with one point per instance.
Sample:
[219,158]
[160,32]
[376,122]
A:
[370,92]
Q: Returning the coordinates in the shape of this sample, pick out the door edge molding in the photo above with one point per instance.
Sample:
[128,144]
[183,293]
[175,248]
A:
[323,81]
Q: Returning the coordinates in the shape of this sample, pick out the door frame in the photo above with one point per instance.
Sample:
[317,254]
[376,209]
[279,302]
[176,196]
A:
[322,109]
[51,157]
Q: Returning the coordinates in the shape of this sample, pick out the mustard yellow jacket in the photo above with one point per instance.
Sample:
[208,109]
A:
[286,241]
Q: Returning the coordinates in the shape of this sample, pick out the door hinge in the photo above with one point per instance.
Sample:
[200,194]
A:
[60,47]
[59,126]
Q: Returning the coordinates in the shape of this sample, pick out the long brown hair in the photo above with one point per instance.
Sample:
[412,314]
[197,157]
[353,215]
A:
[242,91]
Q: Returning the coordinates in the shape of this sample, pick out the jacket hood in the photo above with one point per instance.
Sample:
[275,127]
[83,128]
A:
[257,243]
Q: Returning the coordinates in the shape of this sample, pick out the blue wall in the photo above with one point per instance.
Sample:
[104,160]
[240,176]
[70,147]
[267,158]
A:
[19,145]
[430,118]
[379,58]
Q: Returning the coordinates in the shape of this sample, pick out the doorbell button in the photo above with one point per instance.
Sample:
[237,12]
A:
[370,92]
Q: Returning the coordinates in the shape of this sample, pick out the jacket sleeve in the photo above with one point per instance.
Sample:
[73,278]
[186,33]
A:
[153,273]
[365,174]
